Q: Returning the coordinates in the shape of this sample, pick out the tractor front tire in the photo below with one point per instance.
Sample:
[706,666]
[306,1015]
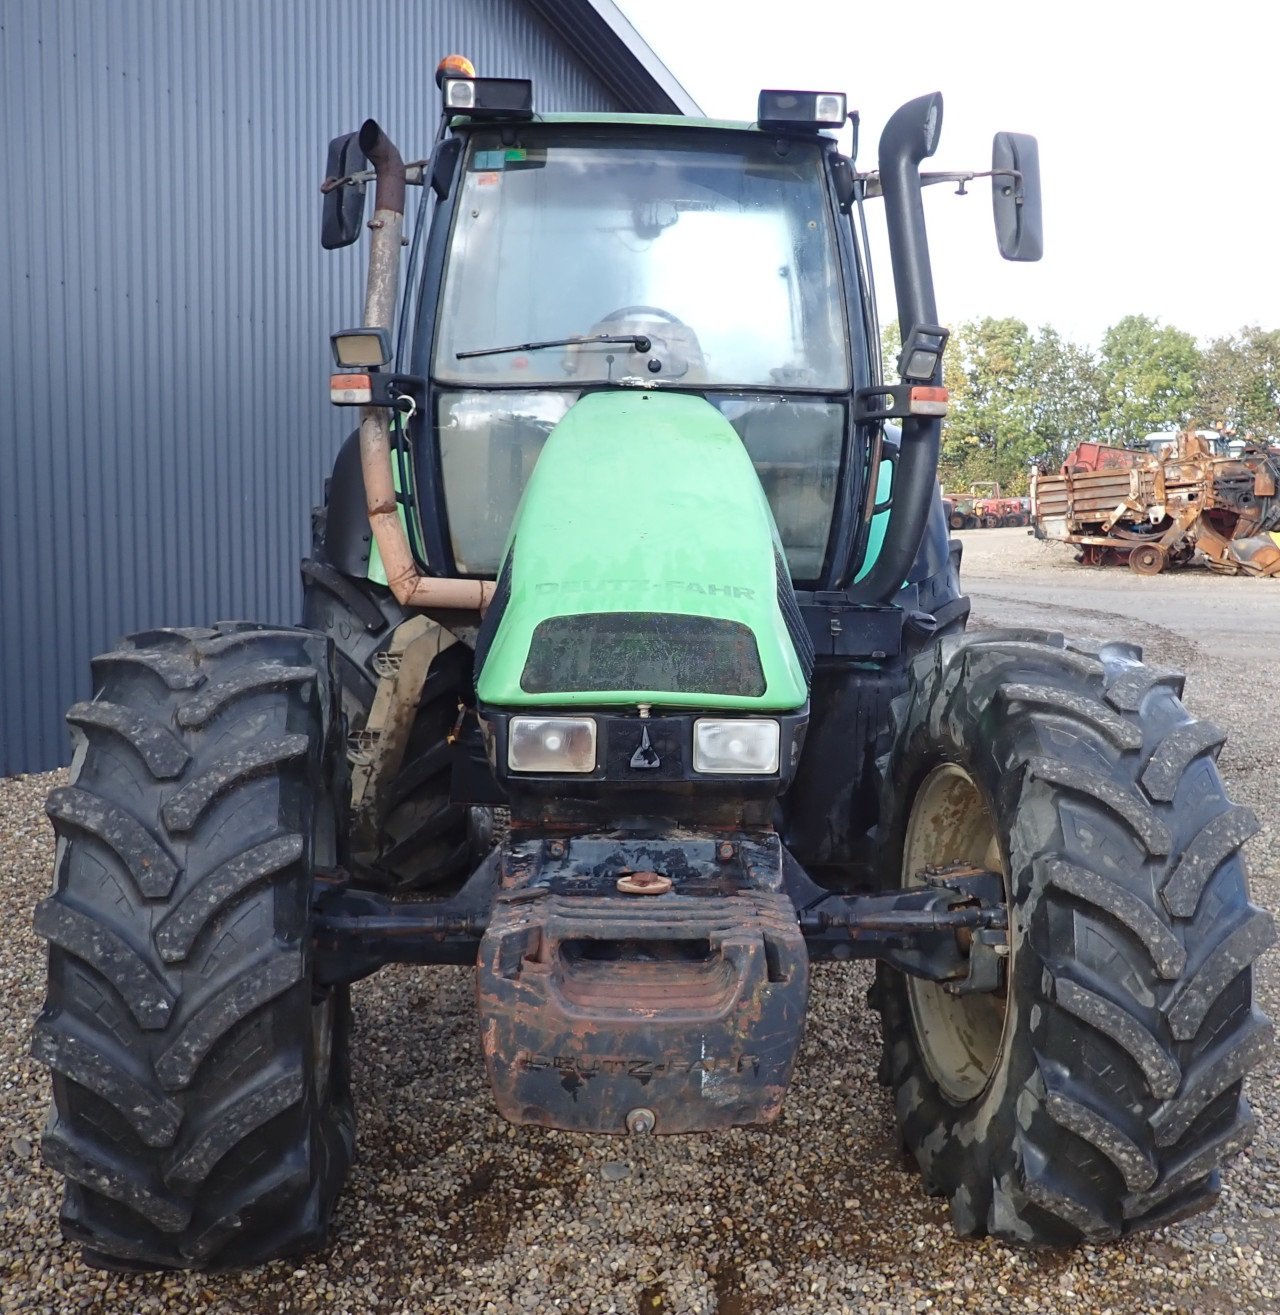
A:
[202,1113]
[1099,1092]
[425,839]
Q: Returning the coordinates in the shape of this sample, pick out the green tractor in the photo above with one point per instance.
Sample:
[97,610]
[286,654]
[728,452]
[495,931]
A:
[634,672]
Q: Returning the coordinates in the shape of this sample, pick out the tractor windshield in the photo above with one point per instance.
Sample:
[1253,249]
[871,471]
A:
[696,259]
[717,249]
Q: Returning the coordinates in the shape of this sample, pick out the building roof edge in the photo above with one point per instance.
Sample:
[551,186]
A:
[600,34]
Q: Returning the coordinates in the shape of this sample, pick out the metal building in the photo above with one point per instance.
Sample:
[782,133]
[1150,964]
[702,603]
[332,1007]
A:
[166,305]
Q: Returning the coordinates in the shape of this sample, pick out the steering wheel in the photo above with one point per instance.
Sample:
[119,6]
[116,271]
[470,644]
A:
[677,344]
[626,312]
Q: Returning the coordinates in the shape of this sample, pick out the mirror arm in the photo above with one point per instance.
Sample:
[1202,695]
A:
[414,175]
[871,185]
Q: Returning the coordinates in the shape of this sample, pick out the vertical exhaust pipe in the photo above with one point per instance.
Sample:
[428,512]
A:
[406,581]
[387,225]
[910,136]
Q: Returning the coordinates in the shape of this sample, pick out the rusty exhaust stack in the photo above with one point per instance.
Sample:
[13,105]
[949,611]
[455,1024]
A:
[407,583]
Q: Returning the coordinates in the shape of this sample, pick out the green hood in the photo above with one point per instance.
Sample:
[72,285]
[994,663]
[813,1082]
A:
[645,527]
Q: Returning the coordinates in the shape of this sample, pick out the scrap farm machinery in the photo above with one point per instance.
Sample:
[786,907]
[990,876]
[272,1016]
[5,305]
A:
[1161,508]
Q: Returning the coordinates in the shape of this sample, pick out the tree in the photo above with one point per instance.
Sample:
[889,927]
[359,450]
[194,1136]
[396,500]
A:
[1067,397]
[1150,373]
[988,434]
[1020,397]
[1240,382]
[1260,408]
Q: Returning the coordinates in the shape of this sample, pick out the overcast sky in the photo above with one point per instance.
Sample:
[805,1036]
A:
[1157,129]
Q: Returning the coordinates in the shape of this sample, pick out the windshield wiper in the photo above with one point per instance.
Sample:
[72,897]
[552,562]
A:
[637,340]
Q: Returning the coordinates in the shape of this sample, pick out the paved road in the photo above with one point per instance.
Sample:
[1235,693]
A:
[1016,580]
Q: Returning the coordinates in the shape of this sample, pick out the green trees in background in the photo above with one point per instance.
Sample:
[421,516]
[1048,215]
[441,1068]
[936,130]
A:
[1020,395]
[1149,377]
[1240,380]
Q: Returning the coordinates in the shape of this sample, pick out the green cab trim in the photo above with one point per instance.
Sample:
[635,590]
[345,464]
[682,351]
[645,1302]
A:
[880,521]
[643,502]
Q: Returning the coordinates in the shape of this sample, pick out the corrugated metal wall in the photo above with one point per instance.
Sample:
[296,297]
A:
[165,304]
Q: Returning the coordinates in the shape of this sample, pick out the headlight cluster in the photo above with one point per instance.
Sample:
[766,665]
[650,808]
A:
[552,744]
[728,746]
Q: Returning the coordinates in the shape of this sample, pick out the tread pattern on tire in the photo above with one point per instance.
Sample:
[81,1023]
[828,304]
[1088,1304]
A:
[178,1020]
[1142,1026]
[151,866]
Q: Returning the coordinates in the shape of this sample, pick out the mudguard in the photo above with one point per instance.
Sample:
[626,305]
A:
[347,537]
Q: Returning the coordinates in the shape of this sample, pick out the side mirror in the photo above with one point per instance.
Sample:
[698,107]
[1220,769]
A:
[343,210]
[1015,196]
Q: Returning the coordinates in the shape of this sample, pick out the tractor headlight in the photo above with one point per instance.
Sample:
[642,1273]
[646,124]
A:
[459,94]
[551,744]
[801,109]
[740,746]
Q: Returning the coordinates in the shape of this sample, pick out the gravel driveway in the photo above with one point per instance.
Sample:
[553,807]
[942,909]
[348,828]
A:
[452,1210]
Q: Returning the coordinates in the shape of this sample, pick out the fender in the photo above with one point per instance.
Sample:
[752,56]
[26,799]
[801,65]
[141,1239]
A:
[347,538]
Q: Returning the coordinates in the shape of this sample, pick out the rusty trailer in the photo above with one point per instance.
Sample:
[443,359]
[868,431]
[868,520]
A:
[1163,509]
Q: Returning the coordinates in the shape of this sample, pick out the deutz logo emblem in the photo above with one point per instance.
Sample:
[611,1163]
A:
[646,756]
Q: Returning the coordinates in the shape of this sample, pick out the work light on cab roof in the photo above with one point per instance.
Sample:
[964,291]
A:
[783,110]
[482,98]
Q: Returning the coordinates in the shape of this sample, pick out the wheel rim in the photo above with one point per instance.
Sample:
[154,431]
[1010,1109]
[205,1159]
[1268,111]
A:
[961,1037]
[1147,559]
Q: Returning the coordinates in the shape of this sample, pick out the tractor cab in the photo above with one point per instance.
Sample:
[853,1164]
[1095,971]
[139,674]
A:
[582,256]
[572,254]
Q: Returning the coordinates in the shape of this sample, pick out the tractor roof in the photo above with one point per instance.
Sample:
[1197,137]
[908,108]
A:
[620,120]
[647,120]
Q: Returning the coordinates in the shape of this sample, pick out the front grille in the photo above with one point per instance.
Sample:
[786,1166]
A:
[656,651]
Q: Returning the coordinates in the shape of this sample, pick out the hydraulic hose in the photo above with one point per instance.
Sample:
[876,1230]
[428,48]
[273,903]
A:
[410,586]
[909,137]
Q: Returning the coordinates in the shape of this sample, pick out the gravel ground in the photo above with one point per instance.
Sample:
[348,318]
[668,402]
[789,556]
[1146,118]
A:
[452,1210]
